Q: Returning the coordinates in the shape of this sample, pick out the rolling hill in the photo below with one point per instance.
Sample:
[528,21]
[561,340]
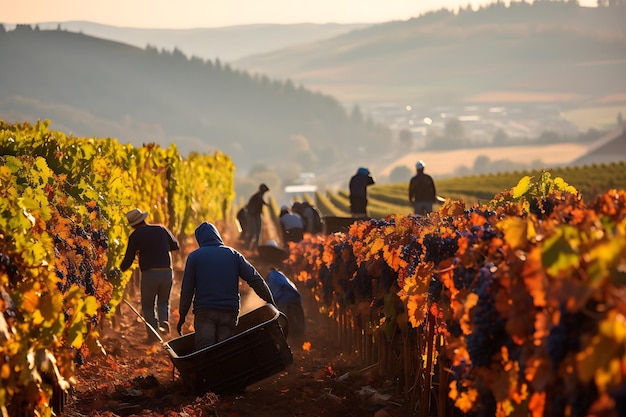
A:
[224,43]
[522,51]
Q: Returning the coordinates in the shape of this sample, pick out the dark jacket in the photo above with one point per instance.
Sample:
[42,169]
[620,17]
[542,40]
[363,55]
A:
[359,183]
[256,203]
[154,243]
[283,290]
[422,188]
[212,275]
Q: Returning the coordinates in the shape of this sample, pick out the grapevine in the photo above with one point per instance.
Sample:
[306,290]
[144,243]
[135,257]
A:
[525,290]
[62,234]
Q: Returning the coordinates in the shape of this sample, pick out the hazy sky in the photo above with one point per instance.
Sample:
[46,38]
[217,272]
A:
[215,13]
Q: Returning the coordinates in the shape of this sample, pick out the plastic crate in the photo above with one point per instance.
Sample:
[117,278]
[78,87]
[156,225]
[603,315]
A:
[258,350]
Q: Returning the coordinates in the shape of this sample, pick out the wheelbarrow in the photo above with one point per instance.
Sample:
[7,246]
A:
[256,351]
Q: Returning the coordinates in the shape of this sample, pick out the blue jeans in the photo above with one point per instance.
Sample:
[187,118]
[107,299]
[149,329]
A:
[156,285]
[213,326]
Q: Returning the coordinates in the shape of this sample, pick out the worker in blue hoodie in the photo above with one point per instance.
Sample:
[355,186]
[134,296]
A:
[288,300]
[211,282]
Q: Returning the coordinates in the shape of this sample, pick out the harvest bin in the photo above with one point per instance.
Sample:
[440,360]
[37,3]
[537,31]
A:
[258,350]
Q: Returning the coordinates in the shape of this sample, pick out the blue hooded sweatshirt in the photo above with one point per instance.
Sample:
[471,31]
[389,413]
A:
[212,275]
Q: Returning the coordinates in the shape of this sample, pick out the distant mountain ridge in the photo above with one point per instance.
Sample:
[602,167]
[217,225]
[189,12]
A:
[224,43]
[537,49]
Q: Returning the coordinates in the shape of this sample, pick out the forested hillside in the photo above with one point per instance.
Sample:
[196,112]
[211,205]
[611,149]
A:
[93,87]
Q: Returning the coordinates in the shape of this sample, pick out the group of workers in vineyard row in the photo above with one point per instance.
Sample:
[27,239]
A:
[210,282]
[212,271]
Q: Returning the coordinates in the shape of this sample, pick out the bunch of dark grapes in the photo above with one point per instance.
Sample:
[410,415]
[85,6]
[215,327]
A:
[100,239]
[438,248]
[434,289]
[387,277]
[411,253]
[326,281]
[383,222]
[542,207]
[463,277]
[565,336]
[488,328]
[8,266]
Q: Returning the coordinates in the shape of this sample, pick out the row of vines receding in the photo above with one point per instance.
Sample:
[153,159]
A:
[63,231]
[516,307]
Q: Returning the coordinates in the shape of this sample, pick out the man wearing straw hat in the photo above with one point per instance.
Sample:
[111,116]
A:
[153,242]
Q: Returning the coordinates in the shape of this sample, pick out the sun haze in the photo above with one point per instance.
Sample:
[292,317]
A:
[211,13]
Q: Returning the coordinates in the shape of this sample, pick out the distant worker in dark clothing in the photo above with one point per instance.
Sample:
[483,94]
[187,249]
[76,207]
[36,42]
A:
[422,193]
[288,300]
[211,282]
[358,192]
[291,224]
[242,219]
[254,209]
[311,217]
[153,242]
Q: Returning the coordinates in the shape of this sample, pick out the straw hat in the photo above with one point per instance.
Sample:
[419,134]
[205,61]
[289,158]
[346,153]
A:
[136,216]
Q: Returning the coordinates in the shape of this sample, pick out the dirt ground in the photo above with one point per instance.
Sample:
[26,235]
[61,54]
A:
[138,379]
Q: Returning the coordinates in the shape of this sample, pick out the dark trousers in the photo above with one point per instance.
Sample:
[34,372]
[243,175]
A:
[253,233]
[358,206]
[213,326]
[156,286]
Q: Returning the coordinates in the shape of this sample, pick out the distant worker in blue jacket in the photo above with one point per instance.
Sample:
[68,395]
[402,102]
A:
[288,300]
[358,192]
[211,282]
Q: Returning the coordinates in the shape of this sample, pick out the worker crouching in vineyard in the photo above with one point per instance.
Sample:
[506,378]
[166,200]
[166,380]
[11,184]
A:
[211,283]
[153,242]
[288,300]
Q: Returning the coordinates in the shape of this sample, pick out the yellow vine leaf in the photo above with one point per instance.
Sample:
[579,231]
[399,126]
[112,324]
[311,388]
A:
[603,261]
[559,253]
[376,246]
[522,187]
[504,408]
[517,231]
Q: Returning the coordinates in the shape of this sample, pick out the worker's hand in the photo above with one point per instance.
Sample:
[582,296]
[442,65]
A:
[179,326]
